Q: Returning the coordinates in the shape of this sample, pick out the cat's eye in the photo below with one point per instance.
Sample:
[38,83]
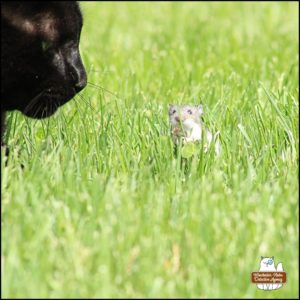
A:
[189,112]
[46,45]
[270,261]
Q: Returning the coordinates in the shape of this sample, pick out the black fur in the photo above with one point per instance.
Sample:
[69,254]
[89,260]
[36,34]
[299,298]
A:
[41,68]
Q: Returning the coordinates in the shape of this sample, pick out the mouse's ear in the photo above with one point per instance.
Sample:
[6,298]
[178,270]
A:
[171,106]
[200,109]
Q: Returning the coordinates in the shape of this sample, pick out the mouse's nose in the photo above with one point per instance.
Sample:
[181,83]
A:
[177,119]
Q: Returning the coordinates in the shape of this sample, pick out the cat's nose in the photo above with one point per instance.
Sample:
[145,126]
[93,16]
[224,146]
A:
[80,84]
[79,80]
[77,74]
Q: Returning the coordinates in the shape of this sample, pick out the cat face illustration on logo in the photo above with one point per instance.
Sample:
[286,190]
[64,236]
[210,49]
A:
[267,264]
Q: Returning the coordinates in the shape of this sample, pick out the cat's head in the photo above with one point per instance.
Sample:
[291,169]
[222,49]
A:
[181,113]
[41,68]
[267,263]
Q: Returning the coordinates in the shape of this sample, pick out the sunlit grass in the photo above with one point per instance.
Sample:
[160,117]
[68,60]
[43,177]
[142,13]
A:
[103,208]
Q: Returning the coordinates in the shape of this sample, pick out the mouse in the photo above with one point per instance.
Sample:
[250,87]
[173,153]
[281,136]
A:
[187,126]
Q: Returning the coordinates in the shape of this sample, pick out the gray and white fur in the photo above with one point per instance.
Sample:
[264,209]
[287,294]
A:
[186,125]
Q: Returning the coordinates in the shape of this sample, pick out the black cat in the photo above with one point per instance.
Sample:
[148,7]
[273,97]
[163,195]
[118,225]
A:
[41,68]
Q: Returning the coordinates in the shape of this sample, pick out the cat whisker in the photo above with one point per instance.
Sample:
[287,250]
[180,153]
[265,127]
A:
[37,111]
[94,71]
[102,88]
[32,102]
[77,104]
[62,116]
[86,102]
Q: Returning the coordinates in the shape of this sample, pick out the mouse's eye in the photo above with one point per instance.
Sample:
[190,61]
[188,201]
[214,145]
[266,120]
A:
[173,111]
[46,45]
[189,112]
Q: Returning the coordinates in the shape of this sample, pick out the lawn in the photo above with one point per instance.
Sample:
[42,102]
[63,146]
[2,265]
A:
[103,207]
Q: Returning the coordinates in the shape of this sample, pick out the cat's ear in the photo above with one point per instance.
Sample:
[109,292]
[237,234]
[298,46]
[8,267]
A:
[273,257]
[17,19]
[43,24]
[261,258]
[200,109]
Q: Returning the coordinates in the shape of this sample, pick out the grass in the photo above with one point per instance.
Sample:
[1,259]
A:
[103,207]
